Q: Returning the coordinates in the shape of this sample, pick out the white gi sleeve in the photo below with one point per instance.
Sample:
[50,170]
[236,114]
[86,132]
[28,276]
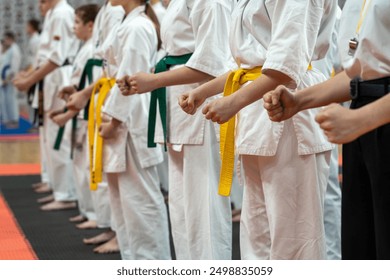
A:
[210,22]
[134,58]
[61,32]
[295,26]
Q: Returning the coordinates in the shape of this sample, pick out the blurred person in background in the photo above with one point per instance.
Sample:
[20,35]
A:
[9,65]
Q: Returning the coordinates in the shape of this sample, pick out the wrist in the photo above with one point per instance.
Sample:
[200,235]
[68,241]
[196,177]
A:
[115,123]
[366,120]
[156,81]
[86,93]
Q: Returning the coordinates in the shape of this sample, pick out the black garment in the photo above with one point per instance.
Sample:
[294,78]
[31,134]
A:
[366,193]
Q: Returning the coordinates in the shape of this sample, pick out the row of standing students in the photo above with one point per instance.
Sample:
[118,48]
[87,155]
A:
[284,166]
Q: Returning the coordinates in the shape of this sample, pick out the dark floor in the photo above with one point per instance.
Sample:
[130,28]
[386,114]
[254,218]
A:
[50,234]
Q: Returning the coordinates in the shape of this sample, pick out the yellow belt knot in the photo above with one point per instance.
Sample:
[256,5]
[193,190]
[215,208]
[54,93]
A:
[95,141]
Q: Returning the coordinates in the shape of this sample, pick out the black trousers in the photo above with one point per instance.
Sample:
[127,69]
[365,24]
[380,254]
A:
[366,194]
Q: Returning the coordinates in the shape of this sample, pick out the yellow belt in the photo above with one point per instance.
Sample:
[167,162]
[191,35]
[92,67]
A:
[227,130]
[95,141]
[235,80]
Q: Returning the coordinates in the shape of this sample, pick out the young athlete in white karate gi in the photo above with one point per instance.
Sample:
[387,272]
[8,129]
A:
[107,20]
[83,27]
[285,166]
[364,30]
[10,63]
[194,35]
[57,49]
[138,208]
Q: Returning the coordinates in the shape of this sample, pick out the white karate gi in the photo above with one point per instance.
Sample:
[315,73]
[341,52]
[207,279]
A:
[160,11]
[200,218]
[80,152]
[138,206]
[32,60]
[9,66]
[285,165]
[33,46]
[58,45]
[162,168]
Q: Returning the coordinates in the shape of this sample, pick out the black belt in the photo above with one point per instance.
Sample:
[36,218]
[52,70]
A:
[38,113]
[371,88]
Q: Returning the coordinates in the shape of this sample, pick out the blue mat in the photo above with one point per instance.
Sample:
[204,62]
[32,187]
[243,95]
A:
[24,126]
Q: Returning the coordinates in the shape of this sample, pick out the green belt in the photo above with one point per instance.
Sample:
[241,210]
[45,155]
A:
[87,74]
[159,96]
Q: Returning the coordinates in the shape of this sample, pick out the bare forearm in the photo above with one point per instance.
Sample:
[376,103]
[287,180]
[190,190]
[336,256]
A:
[213,87]
[43,71]
[87,92]
[180,76]
[335,90]
[71,113]
[258,88]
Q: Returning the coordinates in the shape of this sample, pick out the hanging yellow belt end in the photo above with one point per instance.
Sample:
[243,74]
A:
[93,187]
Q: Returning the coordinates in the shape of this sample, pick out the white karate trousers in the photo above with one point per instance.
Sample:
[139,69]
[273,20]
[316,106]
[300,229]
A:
[201,219]
[59,163]
[283,203]
[81,172]
[332,213]
[139,211]
[44,172]
[101,204]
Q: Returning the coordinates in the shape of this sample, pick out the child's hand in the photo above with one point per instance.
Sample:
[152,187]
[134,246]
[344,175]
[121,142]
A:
[55,113]
[123,86]
[221,110]
[190,102]
[141,83]
[60,119]
[65,92]
[280,104]
[23,83]
[77,101]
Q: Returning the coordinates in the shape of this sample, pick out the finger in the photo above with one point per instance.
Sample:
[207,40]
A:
[327,125]
[276,96]
[322,116]
[182,101]
[269,106]
[129,79]
[215,118]
[267,98]
[206,109]
[273,112]
[184,105]
[191,103]
[331,137]
[193,111]
[133,90]
[221,121]
[277,117]
[209,115]
[183,98]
